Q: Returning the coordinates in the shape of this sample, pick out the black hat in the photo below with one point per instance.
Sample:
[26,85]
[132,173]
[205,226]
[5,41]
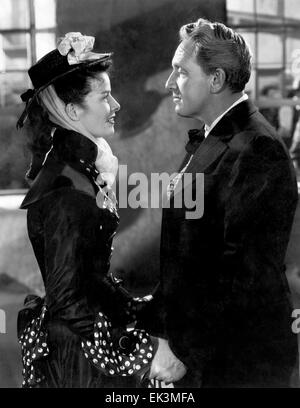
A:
[73,54]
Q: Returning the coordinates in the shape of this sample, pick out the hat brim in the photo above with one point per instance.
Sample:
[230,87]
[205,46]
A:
[76,67]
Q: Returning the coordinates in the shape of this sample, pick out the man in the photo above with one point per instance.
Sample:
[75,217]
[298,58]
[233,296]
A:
[226,308]
[271,113]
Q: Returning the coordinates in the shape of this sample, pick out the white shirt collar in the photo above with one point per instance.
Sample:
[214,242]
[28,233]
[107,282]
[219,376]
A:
[209,128]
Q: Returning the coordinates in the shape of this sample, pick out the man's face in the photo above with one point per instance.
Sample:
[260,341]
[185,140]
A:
[188,83]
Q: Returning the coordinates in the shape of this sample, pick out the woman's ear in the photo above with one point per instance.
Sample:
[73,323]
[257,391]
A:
[218,81]
[72,111]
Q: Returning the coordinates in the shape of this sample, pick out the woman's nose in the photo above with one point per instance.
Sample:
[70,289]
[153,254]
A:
[114,105]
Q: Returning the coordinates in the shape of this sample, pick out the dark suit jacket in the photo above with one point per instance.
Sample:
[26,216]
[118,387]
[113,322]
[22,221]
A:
[226,307]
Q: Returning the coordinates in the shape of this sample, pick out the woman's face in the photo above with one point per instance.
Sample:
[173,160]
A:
[98,111]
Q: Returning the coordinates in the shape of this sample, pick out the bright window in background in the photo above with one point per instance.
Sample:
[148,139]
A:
[27,32]
[292,9]
[272,30]
[268,7]
[14,14]
[44,42]
[15,51]
[45,14]
[293,51]
[235,5]
[269,53]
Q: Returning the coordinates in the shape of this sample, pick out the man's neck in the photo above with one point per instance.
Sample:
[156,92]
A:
[219,105]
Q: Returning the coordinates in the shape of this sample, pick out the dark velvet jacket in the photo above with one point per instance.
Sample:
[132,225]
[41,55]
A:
[72,237]
[226,307]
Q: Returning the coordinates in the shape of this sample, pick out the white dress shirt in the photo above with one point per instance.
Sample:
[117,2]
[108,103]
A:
[209,128]
[171,187]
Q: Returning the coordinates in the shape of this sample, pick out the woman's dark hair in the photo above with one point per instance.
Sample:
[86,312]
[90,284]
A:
[75,86]
[72,87]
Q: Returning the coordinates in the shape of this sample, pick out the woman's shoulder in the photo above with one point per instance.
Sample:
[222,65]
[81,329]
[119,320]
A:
[60,180]
[79,181]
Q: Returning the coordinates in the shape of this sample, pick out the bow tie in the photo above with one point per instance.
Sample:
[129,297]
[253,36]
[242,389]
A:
[196,136]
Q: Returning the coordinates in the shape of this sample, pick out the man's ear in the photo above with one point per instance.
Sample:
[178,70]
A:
[72,111]
[218,81]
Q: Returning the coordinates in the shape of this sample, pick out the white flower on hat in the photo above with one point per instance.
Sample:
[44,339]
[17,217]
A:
[78,48]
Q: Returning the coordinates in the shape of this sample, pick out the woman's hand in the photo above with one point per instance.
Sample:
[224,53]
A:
[165,365]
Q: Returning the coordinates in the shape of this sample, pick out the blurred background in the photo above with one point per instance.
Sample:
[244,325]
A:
[143,35]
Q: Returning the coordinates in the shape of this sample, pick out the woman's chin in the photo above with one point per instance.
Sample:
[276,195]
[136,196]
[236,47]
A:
[105,135]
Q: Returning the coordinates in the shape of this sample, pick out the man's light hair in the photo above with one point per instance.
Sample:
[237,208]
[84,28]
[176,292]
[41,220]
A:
[218,46]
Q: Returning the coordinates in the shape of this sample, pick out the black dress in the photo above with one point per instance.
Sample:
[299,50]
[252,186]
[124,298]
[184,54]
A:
[72,241]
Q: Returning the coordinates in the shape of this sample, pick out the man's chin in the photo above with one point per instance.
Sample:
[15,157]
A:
[181,113]
[178,110]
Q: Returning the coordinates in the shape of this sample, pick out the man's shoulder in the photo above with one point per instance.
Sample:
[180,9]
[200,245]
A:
[256,132]
[242,126]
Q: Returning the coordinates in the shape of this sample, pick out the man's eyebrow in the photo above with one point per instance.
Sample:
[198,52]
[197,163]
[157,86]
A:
[178,66]
[107,91]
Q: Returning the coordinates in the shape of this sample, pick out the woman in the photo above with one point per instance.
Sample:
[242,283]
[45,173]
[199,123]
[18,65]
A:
[74,337]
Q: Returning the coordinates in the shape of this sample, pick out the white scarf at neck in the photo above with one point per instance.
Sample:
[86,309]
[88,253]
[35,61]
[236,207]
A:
[106,163]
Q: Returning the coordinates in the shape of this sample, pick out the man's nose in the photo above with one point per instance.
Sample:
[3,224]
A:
[170,84]
[114,104]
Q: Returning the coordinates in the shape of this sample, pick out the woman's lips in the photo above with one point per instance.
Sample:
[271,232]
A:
[111,120]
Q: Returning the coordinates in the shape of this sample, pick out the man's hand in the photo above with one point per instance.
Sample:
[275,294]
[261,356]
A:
[165,365]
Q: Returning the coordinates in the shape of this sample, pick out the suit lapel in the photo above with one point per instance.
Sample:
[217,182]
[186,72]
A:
[220,136]
[207,153]
[217,142]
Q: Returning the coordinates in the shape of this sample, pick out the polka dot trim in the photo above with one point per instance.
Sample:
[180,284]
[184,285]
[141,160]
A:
[111,358]
[34,347]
